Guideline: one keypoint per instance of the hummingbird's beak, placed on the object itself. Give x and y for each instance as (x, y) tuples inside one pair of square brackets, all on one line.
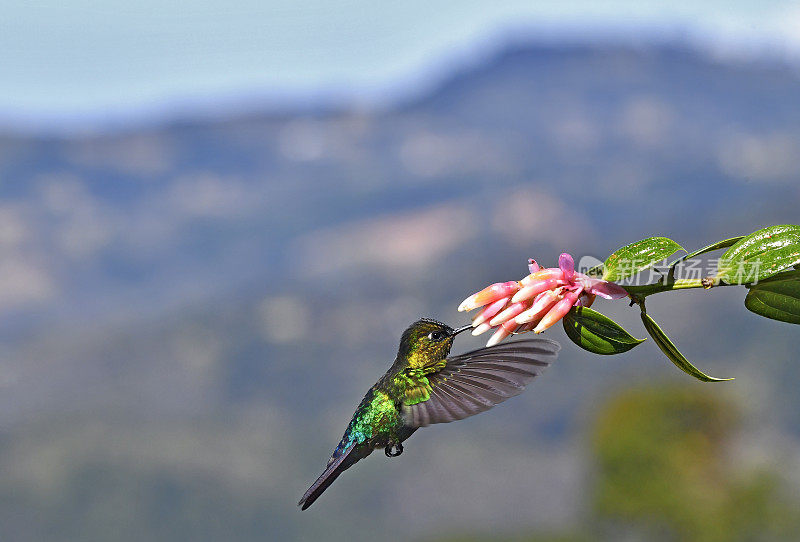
[(459, 330)]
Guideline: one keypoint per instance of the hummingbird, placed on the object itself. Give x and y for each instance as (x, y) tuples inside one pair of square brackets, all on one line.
[(424, 386)]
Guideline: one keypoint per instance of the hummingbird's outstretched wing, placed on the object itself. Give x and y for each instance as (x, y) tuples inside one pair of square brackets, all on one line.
[(476, 381)]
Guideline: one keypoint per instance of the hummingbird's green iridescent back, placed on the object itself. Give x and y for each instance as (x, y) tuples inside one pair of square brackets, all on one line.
[(423, 386)]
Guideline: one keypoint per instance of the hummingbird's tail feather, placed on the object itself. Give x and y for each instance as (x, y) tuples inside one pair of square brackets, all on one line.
[(347, 459)]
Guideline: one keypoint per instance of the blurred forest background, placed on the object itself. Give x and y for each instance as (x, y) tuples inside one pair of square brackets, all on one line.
[(190, 309)]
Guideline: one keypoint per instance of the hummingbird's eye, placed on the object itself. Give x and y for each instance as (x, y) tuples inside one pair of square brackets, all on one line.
[(436, 336)]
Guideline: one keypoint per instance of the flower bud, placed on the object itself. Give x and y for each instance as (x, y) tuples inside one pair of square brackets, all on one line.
[(540, 306), (533, 289), (489, 311), (557, 312), (490, 294), (543, 274), (506, 329), (508, 314)]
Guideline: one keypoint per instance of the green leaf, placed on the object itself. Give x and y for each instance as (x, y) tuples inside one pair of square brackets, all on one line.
[(672, 352), (778, 300), (630, 259), (597, 333), (716, 246), (761, 254)]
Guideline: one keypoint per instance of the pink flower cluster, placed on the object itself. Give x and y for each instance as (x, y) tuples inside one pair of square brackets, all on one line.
[(537, 301)]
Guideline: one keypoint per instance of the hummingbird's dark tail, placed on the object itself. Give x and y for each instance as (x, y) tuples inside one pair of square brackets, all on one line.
[(348, 458)]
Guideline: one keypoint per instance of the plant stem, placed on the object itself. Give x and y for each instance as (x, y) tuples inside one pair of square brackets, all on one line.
[(667, 284), (663, 286)]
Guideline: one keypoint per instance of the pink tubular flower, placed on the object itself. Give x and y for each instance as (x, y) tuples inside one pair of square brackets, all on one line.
[(536, 302), (542, 274), (558, 311), (511, 311), (536, 288), (489, 311), (505, 329), (489, 294), (543, 303)]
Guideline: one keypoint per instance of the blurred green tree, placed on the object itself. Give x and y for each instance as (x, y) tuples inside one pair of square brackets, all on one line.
[(663, 471)]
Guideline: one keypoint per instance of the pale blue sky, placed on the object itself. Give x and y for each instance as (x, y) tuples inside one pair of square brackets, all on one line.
[(79, 60)]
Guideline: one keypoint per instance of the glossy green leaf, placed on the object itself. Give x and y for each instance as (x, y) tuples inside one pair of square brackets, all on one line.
[(778, 300), (630, 259), (761, 254), (597, 333), (716, 246), (672, 352)]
